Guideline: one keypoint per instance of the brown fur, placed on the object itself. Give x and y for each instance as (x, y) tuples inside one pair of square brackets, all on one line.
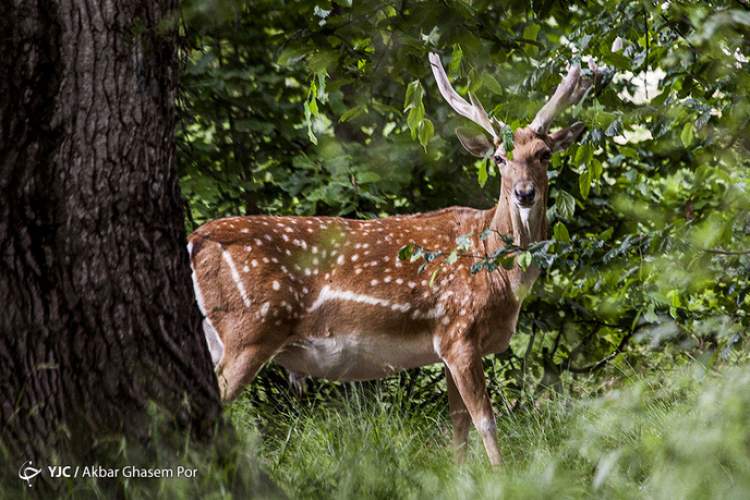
[(329, 297)]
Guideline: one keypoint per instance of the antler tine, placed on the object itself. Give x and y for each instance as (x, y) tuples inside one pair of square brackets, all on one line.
[(474, 111), (571, 90)]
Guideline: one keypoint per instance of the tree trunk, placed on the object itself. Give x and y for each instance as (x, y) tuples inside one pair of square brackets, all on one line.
[(98, 313)]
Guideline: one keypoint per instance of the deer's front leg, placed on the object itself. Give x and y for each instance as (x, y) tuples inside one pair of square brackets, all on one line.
[(459, 416), (465, 365)]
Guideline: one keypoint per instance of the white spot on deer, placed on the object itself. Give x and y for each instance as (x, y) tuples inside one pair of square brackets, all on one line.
[(357, 271), (266, 260), (374, 282), (434, 313), (215, 345), (446, 320), (285, 237), (245, 230), (411, 284), (340, 260), (307, 271), (328, 294), (254, 263), (399, 281), (248, 248), (274, 260), (236, 277), (245, 269), (355, 257), (268, 237), (275, 285), (258, 242), (387, 279), (264, 308), (436, 346)]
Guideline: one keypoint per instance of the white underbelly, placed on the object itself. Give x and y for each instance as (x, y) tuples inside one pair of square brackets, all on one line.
[(356, 356)]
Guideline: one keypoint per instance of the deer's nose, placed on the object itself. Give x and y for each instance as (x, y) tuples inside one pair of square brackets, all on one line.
[(525, 193)]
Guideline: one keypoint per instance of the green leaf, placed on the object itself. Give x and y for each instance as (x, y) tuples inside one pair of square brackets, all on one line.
[(561, 232), (433, 276), (507, 261), (507, 136), (406, 251), (524, 260), (290, 56), (452, 257), (492, 84), (413, 97), (426, 131), (686, 136), (454, 68), (596, 169), (565, 204), (584, 183), (531, 31), (584, 154), (367, 177), (352, 113), (481, 172), (414, 119)]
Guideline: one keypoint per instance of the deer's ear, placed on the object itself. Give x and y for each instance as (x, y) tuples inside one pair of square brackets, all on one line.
[(566, 136), (476, 144)]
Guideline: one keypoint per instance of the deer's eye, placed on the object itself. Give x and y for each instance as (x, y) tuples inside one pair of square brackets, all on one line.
[(545, 155), (499, 160)]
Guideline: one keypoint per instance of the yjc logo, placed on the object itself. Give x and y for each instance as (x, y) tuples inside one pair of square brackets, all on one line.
[(27, 472)]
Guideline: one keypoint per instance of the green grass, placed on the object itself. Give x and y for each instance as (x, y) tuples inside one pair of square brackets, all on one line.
[(681, 434)]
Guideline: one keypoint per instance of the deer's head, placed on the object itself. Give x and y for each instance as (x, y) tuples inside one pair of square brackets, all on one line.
[(524, 173)]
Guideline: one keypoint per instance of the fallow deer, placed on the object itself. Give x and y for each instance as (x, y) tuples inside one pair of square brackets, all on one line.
[(329, 297)]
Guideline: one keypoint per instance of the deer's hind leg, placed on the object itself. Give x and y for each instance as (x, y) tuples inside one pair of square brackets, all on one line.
[(248, 345), (459, 416)]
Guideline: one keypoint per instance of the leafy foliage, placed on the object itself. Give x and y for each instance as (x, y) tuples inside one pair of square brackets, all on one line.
[(309, 107)]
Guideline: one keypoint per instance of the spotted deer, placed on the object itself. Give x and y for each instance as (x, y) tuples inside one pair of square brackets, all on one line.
[(329, 297)]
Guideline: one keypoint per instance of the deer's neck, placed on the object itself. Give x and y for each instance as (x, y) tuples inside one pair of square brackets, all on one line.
[(525, 226)]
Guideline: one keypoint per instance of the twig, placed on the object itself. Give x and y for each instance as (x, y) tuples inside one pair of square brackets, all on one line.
[(602, 362)]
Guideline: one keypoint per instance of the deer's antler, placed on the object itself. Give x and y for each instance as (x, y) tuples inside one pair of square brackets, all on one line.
[(473, 111), (570, 91)]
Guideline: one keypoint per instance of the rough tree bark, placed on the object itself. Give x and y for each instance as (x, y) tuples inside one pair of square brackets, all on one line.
[(98, 312)]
